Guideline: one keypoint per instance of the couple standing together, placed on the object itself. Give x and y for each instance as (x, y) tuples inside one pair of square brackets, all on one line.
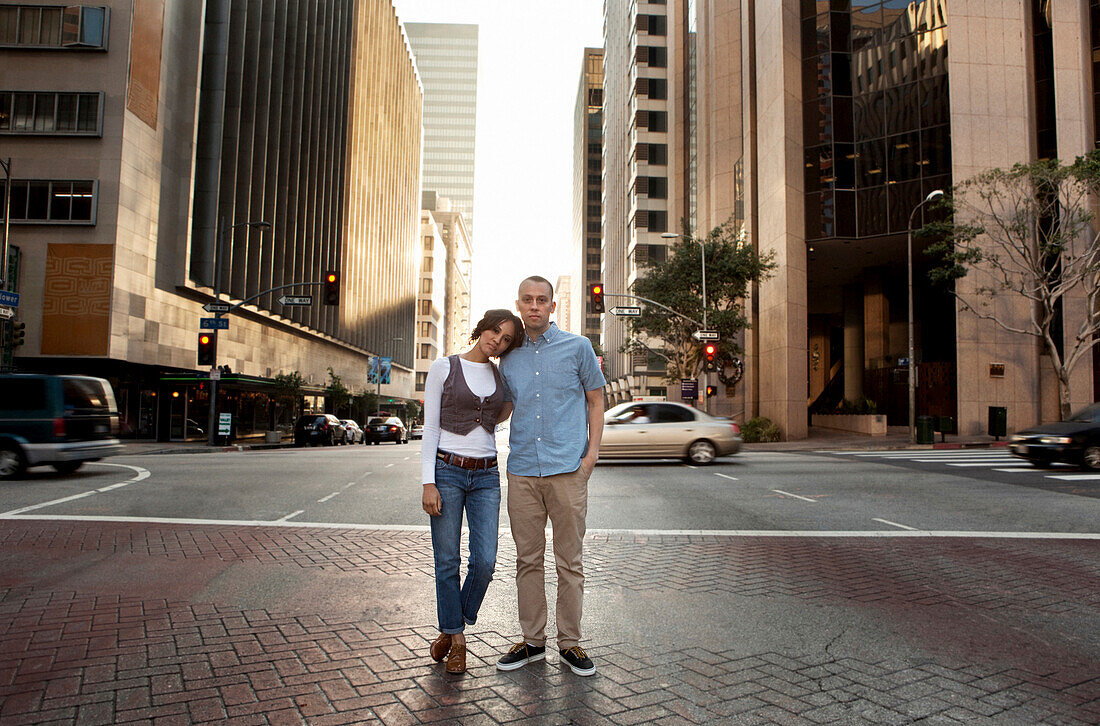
[(550, 383)]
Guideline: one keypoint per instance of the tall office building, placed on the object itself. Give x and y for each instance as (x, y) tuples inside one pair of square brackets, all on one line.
[(587, 194), (149, 139), (446, 56), (894, 100), (643, 153)]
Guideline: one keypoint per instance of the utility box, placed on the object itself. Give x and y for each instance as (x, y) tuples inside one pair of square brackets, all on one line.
[(998, 421)]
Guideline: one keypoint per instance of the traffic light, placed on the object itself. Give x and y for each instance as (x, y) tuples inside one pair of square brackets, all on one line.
[(332, 287), (595, 297), (709, 351), (18, 334), (712, 391), (208, 348)]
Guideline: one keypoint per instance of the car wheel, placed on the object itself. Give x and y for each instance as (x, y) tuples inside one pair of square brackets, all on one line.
[(701, 452), (67, 467), (1091, 457), (12, 461)]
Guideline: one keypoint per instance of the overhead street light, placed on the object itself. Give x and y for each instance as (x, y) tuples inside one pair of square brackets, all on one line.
[(932, 196)]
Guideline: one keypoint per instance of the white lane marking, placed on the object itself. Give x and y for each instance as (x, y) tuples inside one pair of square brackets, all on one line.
[(407, 458), (690, 466), (894, 524), (987, 463), (324, 499), (865, 533), (726, 476), (348, 485), (796, 496), (388, 466), (291, 516), (1074, 477), (141, 475), (1015, 470), (925, 453)]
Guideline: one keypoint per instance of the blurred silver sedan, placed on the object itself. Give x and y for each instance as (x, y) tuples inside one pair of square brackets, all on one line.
[(664, 430)]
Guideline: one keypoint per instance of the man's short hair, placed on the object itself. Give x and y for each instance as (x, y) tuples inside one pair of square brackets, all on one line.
[(540, 280)]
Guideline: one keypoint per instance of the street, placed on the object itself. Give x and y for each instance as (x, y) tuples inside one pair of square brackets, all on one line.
[(295, 586)]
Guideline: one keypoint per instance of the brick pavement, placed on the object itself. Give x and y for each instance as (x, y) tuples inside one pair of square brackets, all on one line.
[(100, 623)]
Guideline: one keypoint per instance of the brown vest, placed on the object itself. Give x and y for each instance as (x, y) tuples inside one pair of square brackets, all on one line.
[(460, 411)]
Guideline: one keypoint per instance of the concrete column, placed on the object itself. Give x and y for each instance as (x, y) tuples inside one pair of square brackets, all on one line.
[(876, 320), (853, 342)]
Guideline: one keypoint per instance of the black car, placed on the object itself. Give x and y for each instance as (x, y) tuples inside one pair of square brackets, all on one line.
[(380, 429), (1073, 441), (62, 421), (319, 428)]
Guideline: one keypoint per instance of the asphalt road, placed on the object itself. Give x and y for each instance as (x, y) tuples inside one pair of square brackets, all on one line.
[(755, 491)]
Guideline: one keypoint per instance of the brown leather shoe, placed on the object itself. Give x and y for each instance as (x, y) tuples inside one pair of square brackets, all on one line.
[(440, 646), (456, 659)]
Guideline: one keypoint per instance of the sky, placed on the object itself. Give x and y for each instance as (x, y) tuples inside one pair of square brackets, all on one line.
[(529, 66)]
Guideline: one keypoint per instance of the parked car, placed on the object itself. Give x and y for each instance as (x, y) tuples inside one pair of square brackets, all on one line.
[(386, 429), (60, 421), (318, 428), (352, 433), (417, 432), (1073, 441), (665, 430)]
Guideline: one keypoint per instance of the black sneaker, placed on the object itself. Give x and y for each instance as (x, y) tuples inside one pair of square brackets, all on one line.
[(520, 655), (578, 661)]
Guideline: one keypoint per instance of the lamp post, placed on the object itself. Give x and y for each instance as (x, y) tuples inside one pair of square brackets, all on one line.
[(936, 194), (219, 244)]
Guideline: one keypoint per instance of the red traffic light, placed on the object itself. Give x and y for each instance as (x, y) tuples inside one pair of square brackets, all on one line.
[(709, 352), (331, 283), (207, 349), (595, 298)]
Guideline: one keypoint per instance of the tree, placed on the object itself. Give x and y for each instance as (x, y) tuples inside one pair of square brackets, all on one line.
[(677, 284), (337, 392), (288, 391), (1027, 233)]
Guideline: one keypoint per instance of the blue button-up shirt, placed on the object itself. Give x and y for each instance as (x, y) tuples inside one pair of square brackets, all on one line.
[(547, 379)]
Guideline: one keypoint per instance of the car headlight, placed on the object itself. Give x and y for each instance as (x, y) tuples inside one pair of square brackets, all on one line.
[(1056, 440), (1016, 438)]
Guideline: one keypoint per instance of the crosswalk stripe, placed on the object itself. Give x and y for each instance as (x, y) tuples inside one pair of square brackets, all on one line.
[(1074, 477)]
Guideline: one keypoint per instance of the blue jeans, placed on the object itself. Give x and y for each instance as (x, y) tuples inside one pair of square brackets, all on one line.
[(478, 492)]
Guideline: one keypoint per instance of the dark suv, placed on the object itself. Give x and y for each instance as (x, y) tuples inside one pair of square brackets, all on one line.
[(60, 421), (379, 429), (319, 428)]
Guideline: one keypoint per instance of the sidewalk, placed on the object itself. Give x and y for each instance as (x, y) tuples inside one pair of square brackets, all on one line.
[(818, 439), (118, 623)]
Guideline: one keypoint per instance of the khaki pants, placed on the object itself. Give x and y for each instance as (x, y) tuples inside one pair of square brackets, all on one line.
[(564, 498)]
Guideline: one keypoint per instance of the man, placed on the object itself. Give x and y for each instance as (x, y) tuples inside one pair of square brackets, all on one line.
[(555, 383)]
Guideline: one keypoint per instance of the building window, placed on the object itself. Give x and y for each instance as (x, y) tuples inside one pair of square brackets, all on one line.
[(52, 202), (428, 264), (44, 27), (76, 114), (429, 244), (658, 88), (421, 380), (652, 120), (426, 286), (425, 329), (593, 258), (425, 307), (425, 351)]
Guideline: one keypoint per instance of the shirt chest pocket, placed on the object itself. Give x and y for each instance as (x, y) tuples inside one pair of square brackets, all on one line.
[(557, 374)]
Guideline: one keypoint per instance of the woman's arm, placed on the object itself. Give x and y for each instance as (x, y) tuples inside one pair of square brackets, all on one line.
[(433, 396)]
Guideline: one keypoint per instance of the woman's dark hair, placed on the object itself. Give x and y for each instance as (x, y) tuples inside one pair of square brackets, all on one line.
[(499, 316)]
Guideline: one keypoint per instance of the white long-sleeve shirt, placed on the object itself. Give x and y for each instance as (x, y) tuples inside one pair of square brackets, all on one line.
[(479, 443)]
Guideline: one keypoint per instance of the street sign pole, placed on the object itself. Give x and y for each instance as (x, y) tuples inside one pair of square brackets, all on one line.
[(5, 283)]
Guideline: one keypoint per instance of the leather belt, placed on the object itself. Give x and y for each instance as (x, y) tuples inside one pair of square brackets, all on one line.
[(466, 462)]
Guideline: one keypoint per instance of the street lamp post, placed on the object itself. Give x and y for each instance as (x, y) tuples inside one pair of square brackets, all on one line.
[(936, 194), (219, 244)]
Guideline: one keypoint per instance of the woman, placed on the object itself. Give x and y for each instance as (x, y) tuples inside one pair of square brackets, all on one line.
[(463, 402)]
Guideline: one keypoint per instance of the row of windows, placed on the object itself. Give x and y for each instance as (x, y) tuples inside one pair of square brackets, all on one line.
[(652, 56), (425, 329), (72, 26), (51, 113), (652, 120), (867, 212), (656, 154), (653, 220), (48, 202), (652, 24), (875, 162), (467, 168), (655, 88)]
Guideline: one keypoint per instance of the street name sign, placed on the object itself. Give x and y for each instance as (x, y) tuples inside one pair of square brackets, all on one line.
[(11, 299), (216, 307), (214, 323), (296, 300), (626, 311), (706, 335), (6, 312)]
